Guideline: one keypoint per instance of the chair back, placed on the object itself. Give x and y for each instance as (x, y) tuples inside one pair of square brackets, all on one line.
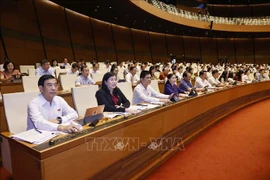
[(68, 81), (126, 88), (31, 72), (15, 106), (84, 98), (30, 83), (24, 68), (97, 77), (154, 85), (58, 71)]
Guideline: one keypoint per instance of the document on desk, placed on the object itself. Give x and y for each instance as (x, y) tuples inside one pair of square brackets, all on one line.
[(34, 137), (114, 114), (143, 106)]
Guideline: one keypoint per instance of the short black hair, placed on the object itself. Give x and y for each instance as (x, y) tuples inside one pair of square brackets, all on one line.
[(43, 78), (6, 63), (74, 65), (43, 61), (144, 73), (83, 67), (131, 68), (185, 73), (201, 72), (214, 72)]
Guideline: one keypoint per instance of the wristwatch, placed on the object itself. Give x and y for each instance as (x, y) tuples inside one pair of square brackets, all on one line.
[(59, 119)]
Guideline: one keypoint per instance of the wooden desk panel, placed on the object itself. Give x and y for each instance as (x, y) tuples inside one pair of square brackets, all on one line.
[(183, 120)]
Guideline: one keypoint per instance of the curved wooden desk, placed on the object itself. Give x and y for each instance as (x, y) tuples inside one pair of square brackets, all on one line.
[(98, 155)]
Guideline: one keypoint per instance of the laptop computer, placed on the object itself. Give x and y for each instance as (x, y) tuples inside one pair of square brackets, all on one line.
[(92, 115), (193, 93)]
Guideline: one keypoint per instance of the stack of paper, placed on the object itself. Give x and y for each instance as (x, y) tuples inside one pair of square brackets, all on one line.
[(35, 137)]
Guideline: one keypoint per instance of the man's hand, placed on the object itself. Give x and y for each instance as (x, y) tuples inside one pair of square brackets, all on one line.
[(68, 129)]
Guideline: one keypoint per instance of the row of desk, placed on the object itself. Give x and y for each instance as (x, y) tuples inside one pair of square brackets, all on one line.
[(131, 147), (17, 87)]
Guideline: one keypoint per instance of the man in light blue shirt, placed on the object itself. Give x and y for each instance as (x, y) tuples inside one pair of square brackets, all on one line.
[(84, 78), (45, 69)]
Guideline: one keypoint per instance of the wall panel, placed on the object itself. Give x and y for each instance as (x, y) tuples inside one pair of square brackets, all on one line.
[(192, 48), (209, 50), (262, 52), (141, 45), (158, 47), (123, 43), (244, 50), (226, 49), (175, 46), (2, 54), (81, 35), (54, 30), (104, 40), (20, 32)]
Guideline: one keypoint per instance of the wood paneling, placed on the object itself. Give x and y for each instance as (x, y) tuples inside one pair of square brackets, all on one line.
[(81, 35), (244, 50), (158, 47), (20, 32), (104, 40), (141, 45), (123, 43), (2, 54), (54, 30), (209, 50), (192, 48), (175, 45), (262, 52), (226, 48)]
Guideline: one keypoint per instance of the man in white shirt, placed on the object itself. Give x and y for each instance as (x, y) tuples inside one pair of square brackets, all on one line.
[(122, 68), (74, 69), (107, 66), (201, 81), (95, 69), (213, 80), (179, 73), (45, 68), (84, 78), (48, 111), (65, 63), (132, 76), (143, 92)]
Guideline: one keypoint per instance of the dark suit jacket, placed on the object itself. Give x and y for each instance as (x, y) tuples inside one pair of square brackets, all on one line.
[(105, 98)]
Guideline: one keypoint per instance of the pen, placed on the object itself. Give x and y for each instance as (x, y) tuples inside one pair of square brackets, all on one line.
[(38, 130), (141, 105)]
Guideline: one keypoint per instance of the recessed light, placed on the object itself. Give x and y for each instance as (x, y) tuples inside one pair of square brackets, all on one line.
[(110, 7)]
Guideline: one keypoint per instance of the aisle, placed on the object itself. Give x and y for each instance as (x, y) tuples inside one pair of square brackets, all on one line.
[(237, 148)]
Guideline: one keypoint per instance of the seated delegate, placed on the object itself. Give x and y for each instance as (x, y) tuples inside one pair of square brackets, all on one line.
[(143, 92), (171, 87), (201, 81), (84, 78), (185, 84), (48, 111), (9, 72), (45, 68), (111, 96)]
